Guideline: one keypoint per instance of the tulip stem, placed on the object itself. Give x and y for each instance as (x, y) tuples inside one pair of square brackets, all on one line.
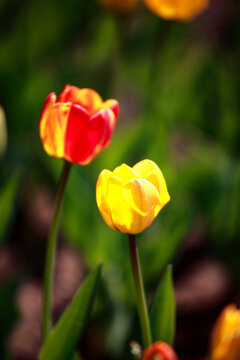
[(51, 250), (140, 294)]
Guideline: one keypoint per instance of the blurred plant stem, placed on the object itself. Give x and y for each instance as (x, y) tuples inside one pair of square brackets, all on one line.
[(51, 250), (139, 288)]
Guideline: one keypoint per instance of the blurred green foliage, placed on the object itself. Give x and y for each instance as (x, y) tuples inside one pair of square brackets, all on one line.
[(8, 203), (163, 310), (178, 89)]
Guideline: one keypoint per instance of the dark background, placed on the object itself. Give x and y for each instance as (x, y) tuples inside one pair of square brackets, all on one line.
[(178, 88)]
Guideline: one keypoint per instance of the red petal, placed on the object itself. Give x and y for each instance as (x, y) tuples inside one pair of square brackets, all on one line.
[(103, 124), (115, 107), (79, 142), (66, 94), (85, 136), (161, 348)]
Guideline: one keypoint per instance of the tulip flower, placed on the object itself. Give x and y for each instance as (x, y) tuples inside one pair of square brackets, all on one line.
[(129, 199), (120, 6), (225, 340), (159, 351), (78, 125), (177, 9)]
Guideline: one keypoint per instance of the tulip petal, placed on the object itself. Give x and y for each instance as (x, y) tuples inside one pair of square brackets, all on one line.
[(189, 9), (87, 98), (111, 104), (159, 350), (175, 9), (125, 173), (134, 205), (102, 126), (49, 101), (151, 172), (79, 144), (85, 136), (102, 196), (157, 179), (53, 123), (144, 167), (225, 342)]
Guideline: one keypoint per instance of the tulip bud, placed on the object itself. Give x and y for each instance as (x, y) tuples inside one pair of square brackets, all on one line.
[(3, 132), (225, 339), (77, 125), (177, 9), (159, 351)]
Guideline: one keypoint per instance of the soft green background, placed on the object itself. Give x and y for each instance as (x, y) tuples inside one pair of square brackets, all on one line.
[(178, 88)]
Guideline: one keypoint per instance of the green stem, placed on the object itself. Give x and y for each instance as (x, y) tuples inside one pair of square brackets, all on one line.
[(140, 295), (51, 250)]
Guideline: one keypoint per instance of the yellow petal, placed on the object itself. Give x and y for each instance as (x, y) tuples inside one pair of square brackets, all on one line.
[(225, 342), (125, 173), (157, 179), (102, 196), (144, 167), (134, 205), (53, 125), (177, 9), (151, 172)]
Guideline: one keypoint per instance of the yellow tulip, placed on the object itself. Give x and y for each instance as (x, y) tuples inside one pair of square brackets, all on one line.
[(177, 9), (129, 199), (120, 6), (225, 342)]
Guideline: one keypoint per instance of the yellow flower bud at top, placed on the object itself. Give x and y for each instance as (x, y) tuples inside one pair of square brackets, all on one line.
[(177, 9), (129, 199), (225, 341), (120, 6)]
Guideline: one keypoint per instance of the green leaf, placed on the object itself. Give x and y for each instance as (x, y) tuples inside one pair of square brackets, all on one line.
[(62, 341), (162, 315), (7, 201)]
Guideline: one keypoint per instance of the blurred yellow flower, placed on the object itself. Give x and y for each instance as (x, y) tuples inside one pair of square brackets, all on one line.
[(129, 199), (225, 341), (3, 132), (177, 9), (121, 6)]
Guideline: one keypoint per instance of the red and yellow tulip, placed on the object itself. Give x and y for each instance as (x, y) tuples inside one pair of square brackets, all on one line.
[(129, 199), (225, 341), (159, 351), (78, 125)]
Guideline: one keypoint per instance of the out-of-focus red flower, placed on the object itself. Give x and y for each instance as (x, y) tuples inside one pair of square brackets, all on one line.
[(225, 341), (78, 125), (159, 351)]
